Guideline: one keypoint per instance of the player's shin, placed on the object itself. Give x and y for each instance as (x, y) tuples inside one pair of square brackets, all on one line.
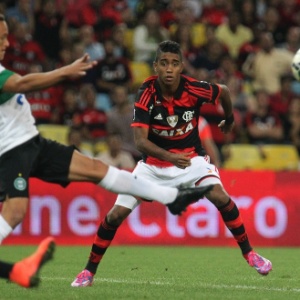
[(5, 229), (234, 223)]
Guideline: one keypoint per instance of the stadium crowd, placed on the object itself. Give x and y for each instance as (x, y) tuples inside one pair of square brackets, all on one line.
[(246, 44)]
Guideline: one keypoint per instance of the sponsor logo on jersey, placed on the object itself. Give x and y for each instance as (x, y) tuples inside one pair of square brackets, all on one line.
[(19, 100), (172, 120), (158, 117), (20, 183), (174, 132), (188, 116)]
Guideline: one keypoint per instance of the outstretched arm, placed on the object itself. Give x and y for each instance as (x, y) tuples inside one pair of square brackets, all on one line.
[(36, 81)]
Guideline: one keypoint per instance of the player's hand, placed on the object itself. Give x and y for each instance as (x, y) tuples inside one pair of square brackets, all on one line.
[(225, 128), (181, 160), (80, 66)]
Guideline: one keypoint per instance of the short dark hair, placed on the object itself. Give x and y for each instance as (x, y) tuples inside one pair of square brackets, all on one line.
[(168, 46)]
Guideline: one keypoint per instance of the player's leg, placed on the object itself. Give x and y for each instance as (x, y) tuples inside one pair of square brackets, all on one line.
[(103, 238), (15, 168), (204, 174), (26, 271), (12, 213), (233, 221), (83, 168)]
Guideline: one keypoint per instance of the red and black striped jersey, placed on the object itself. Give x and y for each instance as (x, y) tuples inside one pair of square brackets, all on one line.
[(173, 124)]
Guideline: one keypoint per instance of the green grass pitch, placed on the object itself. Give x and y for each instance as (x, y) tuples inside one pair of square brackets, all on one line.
[(161, 273)]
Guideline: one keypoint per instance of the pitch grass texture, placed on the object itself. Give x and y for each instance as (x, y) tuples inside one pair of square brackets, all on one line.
[(161, 273)]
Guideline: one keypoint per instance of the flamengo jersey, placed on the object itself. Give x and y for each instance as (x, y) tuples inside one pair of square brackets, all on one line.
[(173, 125), (16, 122)]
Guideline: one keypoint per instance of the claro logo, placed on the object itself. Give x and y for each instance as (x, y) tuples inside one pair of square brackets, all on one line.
[(204, 220), (83, 215)]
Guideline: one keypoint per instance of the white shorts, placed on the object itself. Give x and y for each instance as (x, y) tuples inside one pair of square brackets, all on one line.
[(200, 173)]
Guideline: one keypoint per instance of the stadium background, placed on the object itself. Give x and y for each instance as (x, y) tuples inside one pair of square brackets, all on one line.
[(267, 193)]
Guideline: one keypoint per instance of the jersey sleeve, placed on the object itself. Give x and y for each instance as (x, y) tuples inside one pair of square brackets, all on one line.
[(4, 75), (142, 107), (205, 91)]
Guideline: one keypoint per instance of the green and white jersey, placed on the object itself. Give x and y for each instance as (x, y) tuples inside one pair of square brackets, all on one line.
[(16, 121)]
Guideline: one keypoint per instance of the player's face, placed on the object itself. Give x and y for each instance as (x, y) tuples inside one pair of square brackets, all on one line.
[(3, 39), (168, 68)]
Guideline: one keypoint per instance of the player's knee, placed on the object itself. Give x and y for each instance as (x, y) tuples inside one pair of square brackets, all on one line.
[(15, 216), (218, 196), (117, 215)]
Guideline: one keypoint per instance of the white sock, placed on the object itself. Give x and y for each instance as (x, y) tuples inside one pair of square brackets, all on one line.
[(5, 229), (123, 182)]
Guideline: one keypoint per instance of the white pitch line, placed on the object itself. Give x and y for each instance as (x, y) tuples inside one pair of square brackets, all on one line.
[(204, 285)]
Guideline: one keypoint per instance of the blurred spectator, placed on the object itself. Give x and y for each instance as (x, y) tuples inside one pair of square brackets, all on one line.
[(292, 126), (288, 10), (208, 142), (91, 14), (78, 49), (261, 7), (250, 47), (268, 64), (65, 56), (21, 12), (69, 109), (210, 56), (280, 101), (229, 74), (147, 36), (118, 37), (120, 119), (110, 72), (72, 12), (45, 103), (183, 37), (186, 17), (171, 12), (90, 44), (233, 33), (143, 6), (247, 9), (210, 34), (103, 15), (263, 126), (75, 138), (22, 50), (292, 41), (271, 22), (215, 13), (114, 155), (93, 120), (119, 11), (50, 28)]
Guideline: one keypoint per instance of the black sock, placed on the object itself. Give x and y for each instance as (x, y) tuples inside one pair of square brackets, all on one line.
[(5, 269), (232, 219), (101, 242)]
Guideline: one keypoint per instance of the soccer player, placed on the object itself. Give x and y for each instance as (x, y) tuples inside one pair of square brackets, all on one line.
[(26, 272), (24, 153), (165, 125)]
